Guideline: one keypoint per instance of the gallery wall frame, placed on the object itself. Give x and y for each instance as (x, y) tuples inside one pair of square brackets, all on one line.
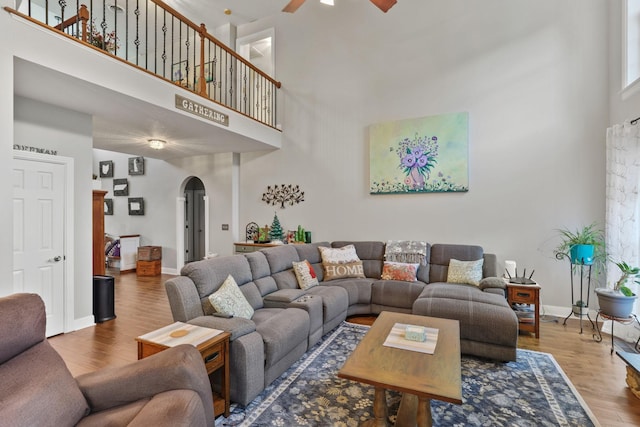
[(108, 206), (106, 169), (136, 206), (136, 165), (120, 187)]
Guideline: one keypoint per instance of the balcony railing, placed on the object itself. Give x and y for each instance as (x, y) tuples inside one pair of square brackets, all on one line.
[(151, 35)]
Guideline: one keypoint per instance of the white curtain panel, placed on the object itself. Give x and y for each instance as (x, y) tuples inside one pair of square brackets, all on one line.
[(622, 229)]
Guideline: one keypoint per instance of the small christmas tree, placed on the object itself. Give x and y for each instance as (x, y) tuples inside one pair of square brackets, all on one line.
[(276, 229)]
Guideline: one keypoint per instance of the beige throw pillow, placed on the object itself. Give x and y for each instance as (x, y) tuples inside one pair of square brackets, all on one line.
[(468, 272), (305, 274), (339, 263), (229, 299)]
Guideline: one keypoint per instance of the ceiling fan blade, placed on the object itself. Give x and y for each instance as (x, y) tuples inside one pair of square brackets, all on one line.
[(383, 5), (293, 6)]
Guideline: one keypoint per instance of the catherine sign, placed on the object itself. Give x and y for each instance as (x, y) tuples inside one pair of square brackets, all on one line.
[(424, 155), (201, 110)]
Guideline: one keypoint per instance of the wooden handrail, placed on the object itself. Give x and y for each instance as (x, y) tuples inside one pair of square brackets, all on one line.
[(201, 29), (82, 16), (201, 83)]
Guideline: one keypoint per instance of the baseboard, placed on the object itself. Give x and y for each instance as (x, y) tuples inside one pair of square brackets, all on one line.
[(82, 323), (562, 312), (171, 271)]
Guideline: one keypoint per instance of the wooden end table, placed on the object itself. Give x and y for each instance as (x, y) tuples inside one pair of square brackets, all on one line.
[(213, 345), (419, 376), (526, 294)]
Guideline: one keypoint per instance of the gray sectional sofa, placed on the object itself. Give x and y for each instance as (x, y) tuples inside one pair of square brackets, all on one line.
[(287, 320)]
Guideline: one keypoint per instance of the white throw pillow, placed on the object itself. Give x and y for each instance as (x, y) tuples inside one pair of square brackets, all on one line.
[(229, 299), (305, 274), (469, 272), (343, 255)]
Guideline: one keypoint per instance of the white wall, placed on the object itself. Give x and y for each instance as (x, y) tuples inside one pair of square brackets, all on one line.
[(533, 77), (160, 186), (624, 104), (69, 134)]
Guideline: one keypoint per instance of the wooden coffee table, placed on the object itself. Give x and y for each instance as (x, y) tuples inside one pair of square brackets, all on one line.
[(419, 376)]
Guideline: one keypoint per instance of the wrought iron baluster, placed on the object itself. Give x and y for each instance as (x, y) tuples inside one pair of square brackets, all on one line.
[(126, 30), (137, 40), (164, 44)]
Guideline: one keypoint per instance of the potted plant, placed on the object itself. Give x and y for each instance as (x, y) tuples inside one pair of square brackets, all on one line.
[(580, 308), (584, 246), (619, 300)]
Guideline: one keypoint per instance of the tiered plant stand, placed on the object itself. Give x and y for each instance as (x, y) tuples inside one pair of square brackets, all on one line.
[(579, 311), (622, 320)]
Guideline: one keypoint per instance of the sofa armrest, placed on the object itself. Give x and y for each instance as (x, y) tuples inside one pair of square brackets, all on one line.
[(175, 368), (282, 298), (236, 326), (492, 283), (183, 299)]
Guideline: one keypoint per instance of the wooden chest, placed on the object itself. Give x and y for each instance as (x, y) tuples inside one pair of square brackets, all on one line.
[(149, 253), (149, 268)]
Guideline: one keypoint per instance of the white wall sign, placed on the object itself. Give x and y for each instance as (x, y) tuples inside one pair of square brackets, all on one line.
[(201, 110)]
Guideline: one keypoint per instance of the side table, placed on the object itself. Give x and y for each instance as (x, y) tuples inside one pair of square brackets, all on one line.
[(213, 345), (526, 294)]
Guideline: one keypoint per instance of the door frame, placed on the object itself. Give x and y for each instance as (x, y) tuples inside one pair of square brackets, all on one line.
[(180, 217), (68, 285)]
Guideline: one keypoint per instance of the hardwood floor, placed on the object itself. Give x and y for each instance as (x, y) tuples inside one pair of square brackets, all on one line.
[(142, 306)]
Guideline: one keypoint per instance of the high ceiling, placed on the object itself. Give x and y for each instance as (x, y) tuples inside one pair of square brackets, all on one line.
[(212, 12)]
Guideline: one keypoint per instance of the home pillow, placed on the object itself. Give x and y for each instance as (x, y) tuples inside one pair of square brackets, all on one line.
[(337, 270), (305, 274), (469, 272), (229, 300), (340, 263), (405, 272)]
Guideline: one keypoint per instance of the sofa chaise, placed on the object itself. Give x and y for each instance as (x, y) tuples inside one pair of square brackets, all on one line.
[(285, 320)]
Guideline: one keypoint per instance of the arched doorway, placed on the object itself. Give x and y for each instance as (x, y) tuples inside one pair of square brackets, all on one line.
[(194, 220)]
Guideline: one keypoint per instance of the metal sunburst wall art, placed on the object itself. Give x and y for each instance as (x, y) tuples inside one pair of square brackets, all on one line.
[(283, 194)]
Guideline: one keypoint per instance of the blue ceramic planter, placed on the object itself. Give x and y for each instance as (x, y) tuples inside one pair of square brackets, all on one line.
[(582, 254)]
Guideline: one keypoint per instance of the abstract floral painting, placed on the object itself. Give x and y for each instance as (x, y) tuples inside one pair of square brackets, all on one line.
[(424, 155)]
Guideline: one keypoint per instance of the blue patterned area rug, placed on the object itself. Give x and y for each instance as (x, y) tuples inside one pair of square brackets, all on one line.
[(533, 391)]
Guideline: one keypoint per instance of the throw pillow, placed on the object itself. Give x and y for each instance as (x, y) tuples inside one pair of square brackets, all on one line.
[(339, 263), (229, 299), (341, 270), (338, 255), (305, 274), (405, 272), (469, 272)]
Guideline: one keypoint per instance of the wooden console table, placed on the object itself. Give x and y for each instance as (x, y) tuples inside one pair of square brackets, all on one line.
[(213, 345), (243, 248)]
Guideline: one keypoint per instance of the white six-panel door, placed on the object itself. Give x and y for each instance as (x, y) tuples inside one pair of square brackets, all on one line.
[(38, 235)]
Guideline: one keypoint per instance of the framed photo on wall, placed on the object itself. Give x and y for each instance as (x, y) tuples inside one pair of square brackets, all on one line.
[(120, 187), (136, 206), (108, 206), (106, 169), (136, 165)]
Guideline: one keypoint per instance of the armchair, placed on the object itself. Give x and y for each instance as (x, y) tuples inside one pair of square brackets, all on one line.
[(170, 388)]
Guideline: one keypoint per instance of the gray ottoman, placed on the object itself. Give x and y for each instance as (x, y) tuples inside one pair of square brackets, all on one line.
[(488, 325)]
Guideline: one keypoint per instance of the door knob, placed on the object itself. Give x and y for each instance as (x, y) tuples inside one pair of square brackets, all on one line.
[(55, 259)]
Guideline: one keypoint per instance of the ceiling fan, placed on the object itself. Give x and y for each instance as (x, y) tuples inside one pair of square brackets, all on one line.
[(383, 5)]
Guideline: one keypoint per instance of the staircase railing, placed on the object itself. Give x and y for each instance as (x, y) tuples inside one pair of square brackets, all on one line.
[(151, 35)]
